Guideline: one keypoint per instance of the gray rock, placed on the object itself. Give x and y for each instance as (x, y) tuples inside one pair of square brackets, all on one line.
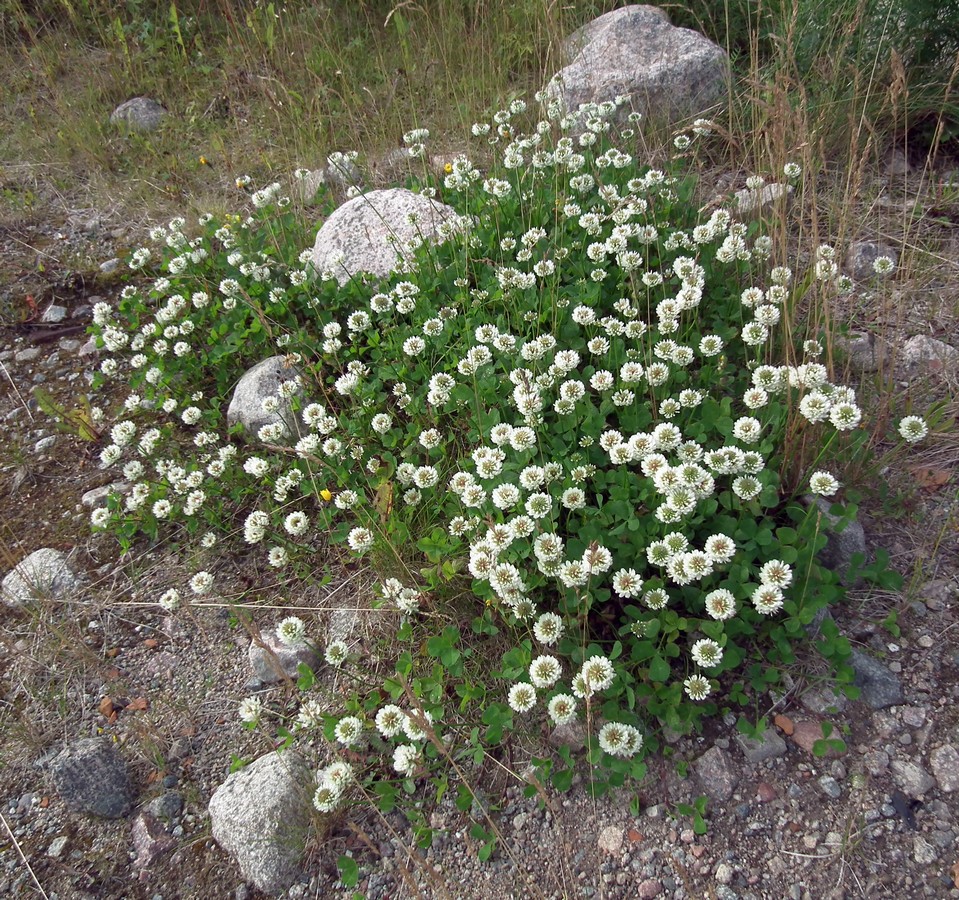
[(769, 746), (572, 735), (842, 545), (823, 701), (261, 815), (373, 233), (342, 171), (29, 354), (57, 846), (830, 787), (139, 114), (255, 386), (669, 73), (879, 688), (97, 497), (109, 266), (611, 840), (863, 351), (43, 575), (90, 776), (923, 852), (166, 807), (911, 778), (938, 595), (753, 203), (944, 762), (45, 443), (151, 838), (861, 256), (922, 351), (272, 660), (53, 314), (717, 774)]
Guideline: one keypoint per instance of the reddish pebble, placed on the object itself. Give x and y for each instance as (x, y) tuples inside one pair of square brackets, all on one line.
[(649, 889), (697, 850), (765, 793)]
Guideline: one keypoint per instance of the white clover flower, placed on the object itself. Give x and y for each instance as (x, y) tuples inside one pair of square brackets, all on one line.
[(201, 583), (706, 653), (562, 709), (747, 429), (883, 265), (777, 573), (792, 170), (250, 710), (296, 523), (617, 739), (697, 687), (596, 674), (100, 517), (278, 557), (326, 798), (360, 539), (349, 731), (389, 720), (170, 600), (416, 724), (406, 759), (767, 598), (720, 604), (336, 653), (823, 483), (291, 631), (549, 629), (913, 429), (845, 416), (544, 671), (521, 697)]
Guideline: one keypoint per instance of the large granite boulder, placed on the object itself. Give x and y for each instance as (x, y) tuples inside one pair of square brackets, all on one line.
[(261, 816), (43, 575), (668, 73), (374, 233), (259, 384)]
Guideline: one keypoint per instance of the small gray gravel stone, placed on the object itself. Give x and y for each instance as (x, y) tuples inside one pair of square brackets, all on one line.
[(717, 774), (879, 687), (923, 852), (769, 746), (611, 840), (944, 762), (830, 787), (912, 778), (44, 574)]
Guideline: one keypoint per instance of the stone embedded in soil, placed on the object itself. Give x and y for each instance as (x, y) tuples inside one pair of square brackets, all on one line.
[(151, 839), (667, 72), (717, 774), (879, 687), (369, 233), (912, 779), (43, 575), (261, 815), (863, 351), (649, 889), (841, 546), (938, 595), (256, 385), (823, 701), (769, 746), (805, 734), (925, 352), (572, 735), (611, 840), (90, 776), (97, 497), (944, 762), (752, 203), (272, 660), (139, 114), (862, 255)]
